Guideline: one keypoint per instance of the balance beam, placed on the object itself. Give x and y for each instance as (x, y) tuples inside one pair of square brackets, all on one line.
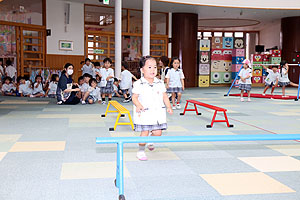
[(120, 141)]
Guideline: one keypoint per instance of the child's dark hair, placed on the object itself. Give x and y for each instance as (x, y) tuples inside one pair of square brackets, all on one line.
[(116, 80), (282, 63), (97, 76), (8, 62), (144, 59), (53, 77), (164, 60), (107, 60), (87, 59), (80, 78), (82, 62), (125, 64), (20, 78), (8, 78), (92, 80), (38, 76), (172, 61), (275, 66), (66, 67), (87, 75), (96, 64)]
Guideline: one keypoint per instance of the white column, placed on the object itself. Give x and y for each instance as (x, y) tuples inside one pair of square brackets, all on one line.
[(170, 36), (146, 27), (118, 37)]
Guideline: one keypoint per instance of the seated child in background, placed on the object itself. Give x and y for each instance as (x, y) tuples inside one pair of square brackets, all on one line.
[(272, 79), (87, 67), (80, 81), (126, 81), (116, 88), (25, 89), (51, 91), (8, 87), (10, 70), (93, 94), (96, 69), (98, 79), (85, 86), (38, 90)]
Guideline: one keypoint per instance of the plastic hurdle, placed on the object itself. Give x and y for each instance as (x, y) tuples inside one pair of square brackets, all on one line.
[(120, 141)]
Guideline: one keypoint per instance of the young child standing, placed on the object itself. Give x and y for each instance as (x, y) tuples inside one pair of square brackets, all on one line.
[(87, 67), (96, 70), (149, 104), (175, 81), (25, 89), (51, 91), (93, 94), (107, 79), (272, 79), (38, 90), (8, 87), (10, 70), (126, 81), (284, 77), (245, 79)]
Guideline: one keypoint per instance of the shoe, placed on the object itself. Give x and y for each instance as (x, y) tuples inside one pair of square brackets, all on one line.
[(178, 106), (141, 156), (242, 99), (59, 102), (31, 96), (83, 102), (126, 100), (174, 107), (103, 102), (150, 146), (263, 94), (249, 99)]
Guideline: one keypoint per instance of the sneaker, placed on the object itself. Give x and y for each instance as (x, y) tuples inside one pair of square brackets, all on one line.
[(126, 100), (59, 102), (242, 99), (263, 94), (141, 156), (174, 107), (150, 146), (249, 99), (178, 106), (83, 102), (103, 102)]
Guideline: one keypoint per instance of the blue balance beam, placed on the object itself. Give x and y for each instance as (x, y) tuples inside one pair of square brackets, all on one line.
[(120, 141)]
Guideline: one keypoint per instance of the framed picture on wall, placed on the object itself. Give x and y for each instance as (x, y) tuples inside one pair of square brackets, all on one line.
[(65, 45)]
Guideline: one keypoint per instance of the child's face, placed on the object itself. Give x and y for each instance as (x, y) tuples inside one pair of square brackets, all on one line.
[(245, 66), (123, 68), (38, 80), (93, 84), (274, 69), (57, 79), (86, 79), (98, 67), (176, 64), (22, 81), (7, 81), (107, 64), (98, 78), (286, 65), (150, 69), (160, 63), (81, 82), (116, 83), (87, 62)]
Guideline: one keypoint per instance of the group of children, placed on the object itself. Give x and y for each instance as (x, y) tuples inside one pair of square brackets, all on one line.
[(273, 79)]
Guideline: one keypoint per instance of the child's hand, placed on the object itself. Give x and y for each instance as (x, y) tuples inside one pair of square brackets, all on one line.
[(170, 110), (167, 86), (182, 87), (107, 79), (139, 109), (76, 89), (99, 102)]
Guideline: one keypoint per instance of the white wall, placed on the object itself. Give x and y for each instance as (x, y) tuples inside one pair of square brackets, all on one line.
[(270, 35), (56, 22)]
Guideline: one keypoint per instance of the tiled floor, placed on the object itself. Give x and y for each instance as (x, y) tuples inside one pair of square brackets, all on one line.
[(49, 152)]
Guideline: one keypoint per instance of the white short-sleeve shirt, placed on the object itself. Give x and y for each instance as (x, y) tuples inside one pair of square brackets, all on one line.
[(52, 87), (95, 71), (84, 87), (126, 80), (175, 77), (11, 71), (284, 77), (25, 89), (39, 89), (87, 69), (95, 92), (8, 87), (106, 73), (243, 74), (272, 77), (151, 98)]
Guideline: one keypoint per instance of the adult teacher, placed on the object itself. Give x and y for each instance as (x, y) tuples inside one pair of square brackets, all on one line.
[(67, 90)]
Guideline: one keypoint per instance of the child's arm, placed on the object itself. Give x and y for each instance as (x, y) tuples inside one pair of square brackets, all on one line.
[(264, 67), (134, 78), (46, 94), (117, 93), (182, 83), (168, 81), (167, 103), (136, 102), (287, 70)]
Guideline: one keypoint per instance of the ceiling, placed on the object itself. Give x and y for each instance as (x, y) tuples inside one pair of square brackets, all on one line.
[(264, 16)]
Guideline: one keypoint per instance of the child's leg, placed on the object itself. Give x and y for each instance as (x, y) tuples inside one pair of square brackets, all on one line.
[(283, 90), (266, 88), (173, 98), (273, 88), (143, 134), (38, 95), (248, 94), (156, 133), (85, 96), (178, 97), (242, 93), (109, 96), (294, 84)]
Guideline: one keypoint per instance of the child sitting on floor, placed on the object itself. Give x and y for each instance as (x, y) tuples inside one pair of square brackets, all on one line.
[(8, 87), (272, 79), (51, 91), (93, 93), (116, 88), (38, 90), (25, 89), (85, 86)]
